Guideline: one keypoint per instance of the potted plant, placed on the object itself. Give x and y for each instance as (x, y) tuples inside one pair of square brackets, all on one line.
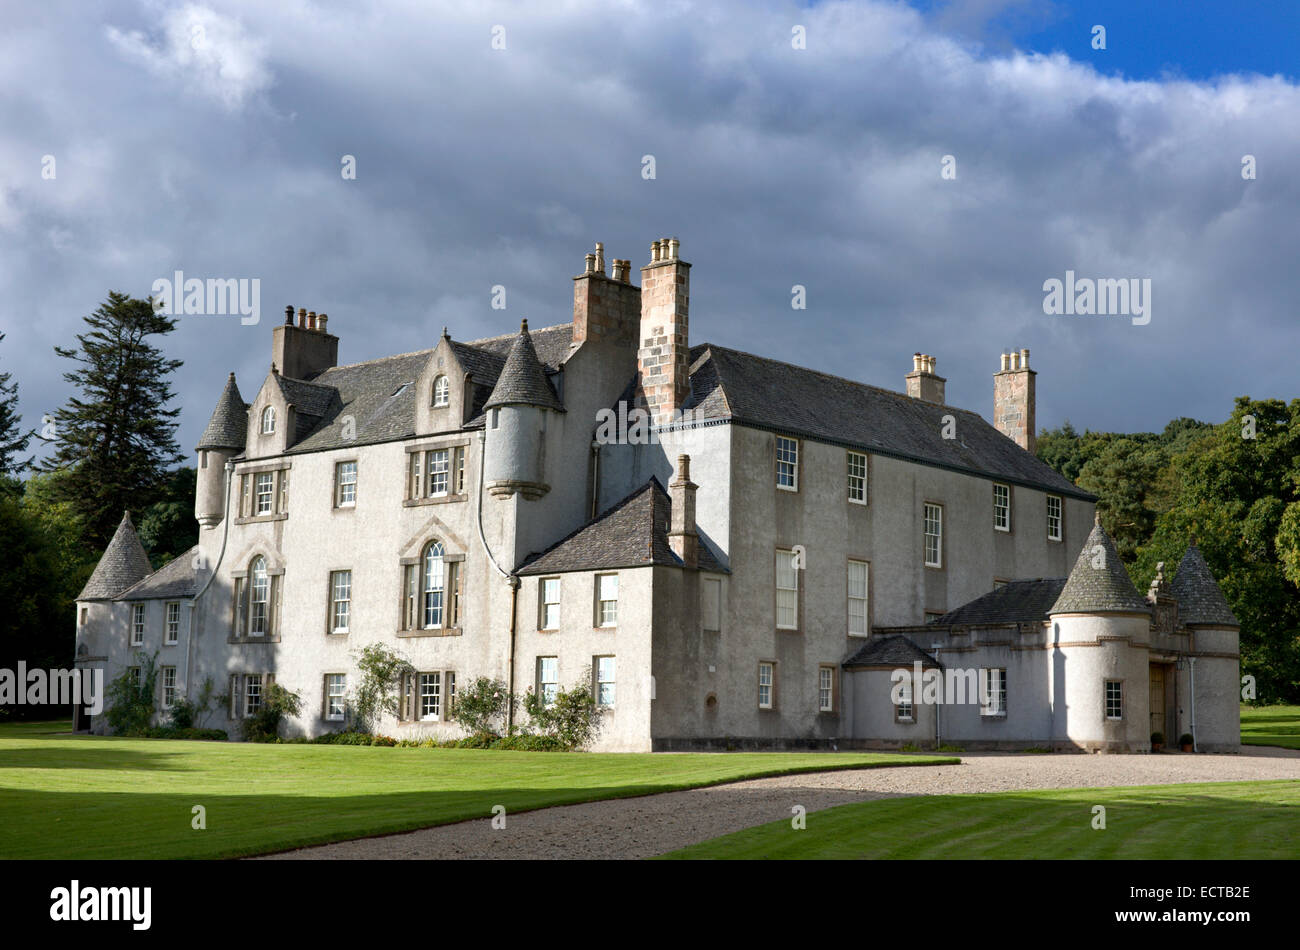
[(1157, 741), (1185, 740)]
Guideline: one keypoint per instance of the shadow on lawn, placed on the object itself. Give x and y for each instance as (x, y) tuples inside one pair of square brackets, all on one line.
[(97, 757)]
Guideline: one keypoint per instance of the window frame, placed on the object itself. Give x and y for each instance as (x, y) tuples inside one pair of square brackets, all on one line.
[(598, 683), (996, 708), (248, 681), (340, 485), (770, 667), (166, 693), (137, 625), (1119, 700), (171, 627), (827, 694), (267, 426), (1060, 518), (777, 589), (602, 623), (428, 678), (926, 534), (546, 689), (850, 598), (907, 702), (797, 449), (1004, 510), (258, 494), (330, 696), (865, 477), (543, 617), (334, 600), (441, 398)]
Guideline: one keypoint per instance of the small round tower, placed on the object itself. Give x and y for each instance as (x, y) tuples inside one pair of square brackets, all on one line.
[(222, 440), (517, 413)]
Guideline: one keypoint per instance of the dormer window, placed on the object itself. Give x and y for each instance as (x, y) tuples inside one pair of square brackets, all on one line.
[(441, 392), (268, 420)]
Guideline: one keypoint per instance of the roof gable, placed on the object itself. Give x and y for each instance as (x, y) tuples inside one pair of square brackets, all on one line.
[(894, 650), (1098, 583), (1200, 600), (1023, 601), (228, 426), (175, 580), (122, 564), (522, 381)]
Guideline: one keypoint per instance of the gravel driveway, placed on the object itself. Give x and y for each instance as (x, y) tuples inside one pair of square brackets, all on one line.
[(655, 824)]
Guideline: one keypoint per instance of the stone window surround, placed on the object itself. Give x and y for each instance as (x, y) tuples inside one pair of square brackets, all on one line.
[(866, 476), (255, 469), (1011, 508), (943, 536), (274, 636), (406, 562), (798, 589), (429, 445)]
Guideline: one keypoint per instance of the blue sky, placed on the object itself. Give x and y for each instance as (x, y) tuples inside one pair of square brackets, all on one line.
[(775, 166)]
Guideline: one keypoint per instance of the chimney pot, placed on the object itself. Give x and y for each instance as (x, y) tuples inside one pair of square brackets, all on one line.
[(591, 264), (320, 322), (1024, 358), (673, 244), (1006, 362), (600, 258), (302, 317), (654, 251), (311, 319), (288, 316)]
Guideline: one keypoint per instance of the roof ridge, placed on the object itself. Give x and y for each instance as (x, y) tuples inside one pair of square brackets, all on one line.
[(510, 336)]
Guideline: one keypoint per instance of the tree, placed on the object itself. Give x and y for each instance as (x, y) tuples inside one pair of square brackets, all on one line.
[(167, 527), (117, 438), (13, 441)]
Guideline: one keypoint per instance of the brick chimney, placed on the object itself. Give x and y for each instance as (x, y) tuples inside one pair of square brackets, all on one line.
[(304, 349), (682, 536), (605, 309), (922, 381), (663, 366), (1013, 400)]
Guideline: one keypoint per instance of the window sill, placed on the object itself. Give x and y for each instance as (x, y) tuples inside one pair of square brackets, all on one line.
[(438, 632), (1001, 715), (271, 639), (351, 507), (255, 519), (787, 488), (435, 500)]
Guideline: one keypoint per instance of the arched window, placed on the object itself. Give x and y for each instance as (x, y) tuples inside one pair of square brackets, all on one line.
[(259, 601), (441, 392), (268, 420), (432, 590)]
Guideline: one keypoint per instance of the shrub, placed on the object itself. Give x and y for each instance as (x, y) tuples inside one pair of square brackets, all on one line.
[(481, 706), (131, 700), (524, 742), (381, 670), (1186, 739), (1157, 738), (174, 732), (573, 718), (264, 725)]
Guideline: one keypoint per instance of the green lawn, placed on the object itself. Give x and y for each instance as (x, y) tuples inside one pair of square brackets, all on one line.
[(64, 796), (1234, 820), (1271, 725)]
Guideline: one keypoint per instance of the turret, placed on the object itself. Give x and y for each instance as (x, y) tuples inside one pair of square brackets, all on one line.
[(517, 413), (221, 441)]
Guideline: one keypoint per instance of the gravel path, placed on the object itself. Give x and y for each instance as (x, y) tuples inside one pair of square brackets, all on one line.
[(655, 824)]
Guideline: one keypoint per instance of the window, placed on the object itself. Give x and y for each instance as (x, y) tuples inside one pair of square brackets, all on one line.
[(787, 463), (606, 600), (335, 687), (340, 601), (858, 598), (933, 535), (1001, 507), (548, 679), (85, 615), (449, 684), (264, 488), (1114, 699), (259, 613), (458, 471), (787, 591), (550, 603), (252, 694), (432, 592), (903, 711), (173, 627), (430, 696), (1053, 518), (765, 685), (857, 478), (168, 686), (826, 688), (136, 674), (441, 392), (439, 469), (283, 475), (268, 420), (711, 603), (604, 680), (995, 684), (137, 624), (345, 485)]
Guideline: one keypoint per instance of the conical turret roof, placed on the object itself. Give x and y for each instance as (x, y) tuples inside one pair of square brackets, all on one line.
[(228, 427), (122, 564), (1199, 598), (1099, 583), (523, 379)]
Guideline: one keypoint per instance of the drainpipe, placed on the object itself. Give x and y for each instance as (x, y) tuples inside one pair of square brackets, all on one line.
[(595, 477), (510, 578), (1192, 677), (938, 707), (194, 601)]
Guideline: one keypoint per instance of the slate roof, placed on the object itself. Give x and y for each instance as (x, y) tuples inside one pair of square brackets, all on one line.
[(1199, 598), (632, 533), (769, 394), (896, 650), (1105, 589), (122, 564), (228, 427), (175, 580), (1025, 601), (380, 394), (523, 381)]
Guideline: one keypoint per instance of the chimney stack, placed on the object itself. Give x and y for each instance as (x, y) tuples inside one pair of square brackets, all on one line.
[(304, 349), (922, 382), (605, 309), (663, 369), (682, 536), (1013, 400)]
